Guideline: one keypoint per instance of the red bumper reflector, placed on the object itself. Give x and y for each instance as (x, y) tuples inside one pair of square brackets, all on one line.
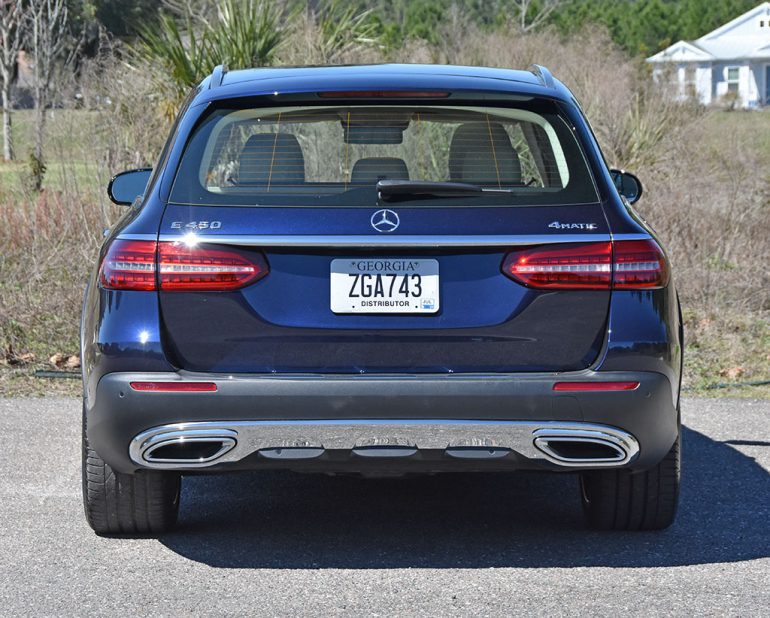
[(595, 386), (174, 387)]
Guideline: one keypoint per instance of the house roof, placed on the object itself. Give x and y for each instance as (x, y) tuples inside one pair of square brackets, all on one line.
[(746, 36), (682, 51)]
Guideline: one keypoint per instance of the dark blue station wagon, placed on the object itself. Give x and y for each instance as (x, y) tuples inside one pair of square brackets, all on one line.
[(380, 270)]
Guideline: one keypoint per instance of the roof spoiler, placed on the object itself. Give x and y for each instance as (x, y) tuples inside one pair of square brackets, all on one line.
[(217, 75), (542, 74)]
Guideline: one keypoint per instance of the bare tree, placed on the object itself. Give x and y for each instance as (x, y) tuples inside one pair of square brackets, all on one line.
[(11, 22), (455, 27), (47, 29), (531, 14)]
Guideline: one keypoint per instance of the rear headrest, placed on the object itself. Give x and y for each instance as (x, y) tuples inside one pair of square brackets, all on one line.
[(272, 158), (481, 153), (372, 169)]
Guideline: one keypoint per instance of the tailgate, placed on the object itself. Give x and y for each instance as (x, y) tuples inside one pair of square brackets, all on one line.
[(482, 320)]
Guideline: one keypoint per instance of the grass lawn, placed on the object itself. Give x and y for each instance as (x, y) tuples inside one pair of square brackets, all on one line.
[(71, 159)]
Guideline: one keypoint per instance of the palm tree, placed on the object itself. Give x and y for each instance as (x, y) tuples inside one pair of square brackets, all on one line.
[(244, 33)]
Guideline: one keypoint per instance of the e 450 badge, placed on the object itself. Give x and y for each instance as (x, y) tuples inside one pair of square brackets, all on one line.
[(196, 225)]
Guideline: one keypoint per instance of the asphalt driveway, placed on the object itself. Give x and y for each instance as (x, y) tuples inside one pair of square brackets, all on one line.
[(287, 544)]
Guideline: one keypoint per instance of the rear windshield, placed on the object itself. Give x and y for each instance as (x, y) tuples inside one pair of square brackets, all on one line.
[(335, 155)]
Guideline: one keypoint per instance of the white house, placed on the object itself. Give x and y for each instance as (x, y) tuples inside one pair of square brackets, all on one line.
[(731, 61)]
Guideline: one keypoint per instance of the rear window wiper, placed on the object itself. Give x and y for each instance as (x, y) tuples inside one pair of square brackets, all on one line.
[(394, 190)]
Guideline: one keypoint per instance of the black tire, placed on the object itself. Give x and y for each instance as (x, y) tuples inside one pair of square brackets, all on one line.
[(620, 500), (143, 503)]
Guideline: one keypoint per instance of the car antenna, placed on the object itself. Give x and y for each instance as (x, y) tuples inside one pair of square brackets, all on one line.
[(217, 75), (543, 74)]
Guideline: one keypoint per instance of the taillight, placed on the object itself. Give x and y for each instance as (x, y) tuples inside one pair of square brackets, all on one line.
[(628, 264), (129, 265), (569, 266), (639, 264), (177, 266), (189, 268)]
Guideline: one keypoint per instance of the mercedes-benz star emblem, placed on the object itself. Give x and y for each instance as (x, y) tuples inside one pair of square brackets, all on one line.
[(385, 220)]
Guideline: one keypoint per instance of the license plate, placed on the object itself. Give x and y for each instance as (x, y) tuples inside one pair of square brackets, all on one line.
[(384, 285)]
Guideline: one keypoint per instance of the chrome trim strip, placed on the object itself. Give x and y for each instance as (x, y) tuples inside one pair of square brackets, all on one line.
[(254, 436), (136, 237), (249, 240), (631, 237)]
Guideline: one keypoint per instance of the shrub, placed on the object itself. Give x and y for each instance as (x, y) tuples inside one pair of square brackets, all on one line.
[(244, 33)]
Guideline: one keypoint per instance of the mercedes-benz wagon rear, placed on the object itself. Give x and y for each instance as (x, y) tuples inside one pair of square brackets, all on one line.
[(380, 270)]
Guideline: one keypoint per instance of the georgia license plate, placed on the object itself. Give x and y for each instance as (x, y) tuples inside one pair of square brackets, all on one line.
[(384, 285)]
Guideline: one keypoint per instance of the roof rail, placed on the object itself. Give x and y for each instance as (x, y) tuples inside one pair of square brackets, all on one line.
[(543, 74), (217, 75)]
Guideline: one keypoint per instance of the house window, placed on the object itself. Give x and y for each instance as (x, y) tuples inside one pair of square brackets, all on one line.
[(733, 75)]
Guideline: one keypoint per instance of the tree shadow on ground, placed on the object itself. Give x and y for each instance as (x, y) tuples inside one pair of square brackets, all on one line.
[(292, 521)]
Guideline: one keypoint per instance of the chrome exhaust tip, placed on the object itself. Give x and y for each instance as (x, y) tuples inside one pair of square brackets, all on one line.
[(582, 447), (188, 447)]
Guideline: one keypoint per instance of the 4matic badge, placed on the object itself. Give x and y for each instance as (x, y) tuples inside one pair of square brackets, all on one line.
[(572, 226)]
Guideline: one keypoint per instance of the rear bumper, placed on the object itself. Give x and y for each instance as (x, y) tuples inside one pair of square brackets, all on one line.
[(399, 422)]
